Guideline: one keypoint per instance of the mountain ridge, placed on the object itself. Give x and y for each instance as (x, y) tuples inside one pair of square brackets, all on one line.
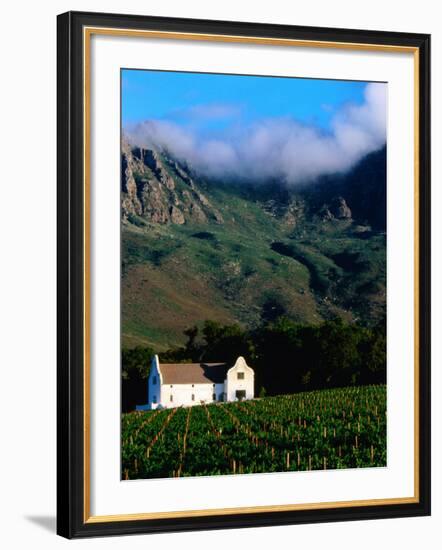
[(197, 249)]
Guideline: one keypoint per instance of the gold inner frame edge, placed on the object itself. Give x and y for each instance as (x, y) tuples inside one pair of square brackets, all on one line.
[(87, 33)]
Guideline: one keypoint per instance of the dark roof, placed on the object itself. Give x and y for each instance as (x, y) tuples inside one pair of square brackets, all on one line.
[(193, 373)]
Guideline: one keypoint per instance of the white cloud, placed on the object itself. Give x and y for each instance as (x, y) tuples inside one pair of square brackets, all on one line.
[(274, 147)]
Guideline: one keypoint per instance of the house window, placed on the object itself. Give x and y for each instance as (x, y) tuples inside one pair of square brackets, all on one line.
[(171, 397), (154, 380), (214, 397), (193, 397), (221, 397), (240, 376), (154, 399)]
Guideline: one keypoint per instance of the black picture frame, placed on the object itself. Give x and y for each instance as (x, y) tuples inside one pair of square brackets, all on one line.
[(72, 521)]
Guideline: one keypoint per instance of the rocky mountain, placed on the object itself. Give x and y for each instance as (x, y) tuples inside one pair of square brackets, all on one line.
[(243, 252), (158, 189), (363, 190)]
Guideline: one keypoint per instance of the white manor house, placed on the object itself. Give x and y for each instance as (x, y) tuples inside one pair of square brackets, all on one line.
[(186, 384)]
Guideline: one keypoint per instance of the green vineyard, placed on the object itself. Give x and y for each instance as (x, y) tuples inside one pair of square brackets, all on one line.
[(321, 430)]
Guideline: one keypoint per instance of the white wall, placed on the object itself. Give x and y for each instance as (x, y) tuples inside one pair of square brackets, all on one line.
[(154, 389), (182, 394), (233, 384), (27, 289)]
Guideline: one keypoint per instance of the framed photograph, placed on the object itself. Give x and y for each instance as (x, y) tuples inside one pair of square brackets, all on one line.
[(243, 274)]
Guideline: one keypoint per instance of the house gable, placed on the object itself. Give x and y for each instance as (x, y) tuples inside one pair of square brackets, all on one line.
[(155, 382), (240, 381)]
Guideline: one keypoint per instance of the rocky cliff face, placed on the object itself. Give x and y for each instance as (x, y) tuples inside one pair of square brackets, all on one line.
[(338, 209), (294, 207), (291, 212), (363, 190), (158, 189)]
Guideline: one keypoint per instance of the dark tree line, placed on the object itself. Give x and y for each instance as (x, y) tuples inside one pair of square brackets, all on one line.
[(287, 357), (135, 365)]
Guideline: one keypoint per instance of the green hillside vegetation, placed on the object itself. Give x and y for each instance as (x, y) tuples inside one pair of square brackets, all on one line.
[(242, 270)]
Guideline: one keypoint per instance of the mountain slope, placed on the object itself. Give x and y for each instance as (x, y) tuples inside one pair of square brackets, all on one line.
[(235, 252)]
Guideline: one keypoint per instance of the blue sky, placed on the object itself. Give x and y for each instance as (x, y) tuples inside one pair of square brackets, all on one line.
[(255, 127), (168, 95)]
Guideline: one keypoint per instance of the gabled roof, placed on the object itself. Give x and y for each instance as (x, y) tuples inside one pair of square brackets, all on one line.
[(193, 373)]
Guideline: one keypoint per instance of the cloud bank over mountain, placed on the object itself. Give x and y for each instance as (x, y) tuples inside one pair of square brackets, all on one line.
[(279, 147)]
